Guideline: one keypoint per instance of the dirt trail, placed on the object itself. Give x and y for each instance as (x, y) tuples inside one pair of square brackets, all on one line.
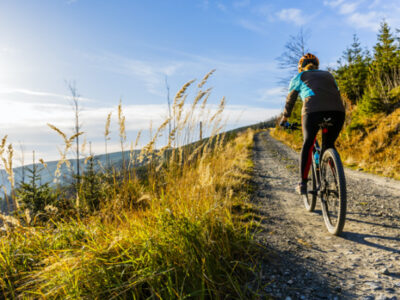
[(308, 262)]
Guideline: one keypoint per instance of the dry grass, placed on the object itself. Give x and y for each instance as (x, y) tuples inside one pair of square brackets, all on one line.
[(165, 231), (375, 148)]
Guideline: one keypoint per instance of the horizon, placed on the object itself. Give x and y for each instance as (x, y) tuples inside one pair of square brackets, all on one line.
[(125, 50)]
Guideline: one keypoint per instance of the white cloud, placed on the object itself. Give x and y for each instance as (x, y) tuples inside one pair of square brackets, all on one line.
[(248, 115), (348, 8), (251, 25), (369, 20), (333, 3), (266, 11), (366, 15), (293, 15), (273, 91), (237, 66), (152, 74), (343, 7), (375, 3), (271, 96), (49, 95), (241, 3)]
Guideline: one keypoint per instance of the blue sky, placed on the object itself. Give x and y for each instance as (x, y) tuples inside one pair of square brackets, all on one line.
[(124, 49)]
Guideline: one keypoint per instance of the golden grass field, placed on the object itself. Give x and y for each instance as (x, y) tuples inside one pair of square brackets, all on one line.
[(178, 228)]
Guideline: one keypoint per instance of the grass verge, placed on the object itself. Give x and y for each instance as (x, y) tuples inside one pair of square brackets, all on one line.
[(176, 228)]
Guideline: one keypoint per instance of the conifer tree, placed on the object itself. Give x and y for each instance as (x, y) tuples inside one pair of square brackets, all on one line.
[(353, 71), (91, 190), (33, 194), (385, 50), (382, 74)]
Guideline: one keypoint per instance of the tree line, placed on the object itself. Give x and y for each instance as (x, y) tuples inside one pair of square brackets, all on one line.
[(371, 81)]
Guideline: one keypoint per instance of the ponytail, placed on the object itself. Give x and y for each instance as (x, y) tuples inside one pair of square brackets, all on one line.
[(310, 67)]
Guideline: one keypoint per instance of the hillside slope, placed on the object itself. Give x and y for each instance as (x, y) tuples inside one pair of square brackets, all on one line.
[(372, 146)]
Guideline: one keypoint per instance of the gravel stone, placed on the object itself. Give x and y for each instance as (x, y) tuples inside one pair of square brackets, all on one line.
[(374, 285)]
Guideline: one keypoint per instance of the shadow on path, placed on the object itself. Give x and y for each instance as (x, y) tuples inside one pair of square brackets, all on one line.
[(370, 223), (361, 238)]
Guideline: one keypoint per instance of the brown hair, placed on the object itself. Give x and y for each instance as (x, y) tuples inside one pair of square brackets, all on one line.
[(310, 67)]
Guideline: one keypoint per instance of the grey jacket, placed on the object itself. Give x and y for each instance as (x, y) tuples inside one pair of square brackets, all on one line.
[(317, 89)]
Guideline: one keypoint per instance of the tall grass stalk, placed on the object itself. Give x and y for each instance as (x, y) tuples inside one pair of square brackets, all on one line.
[(168, 230), (107, 138), (122, 133)]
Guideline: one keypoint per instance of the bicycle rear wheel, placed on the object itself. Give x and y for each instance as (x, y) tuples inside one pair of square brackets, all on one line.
[(310, 199), (333, 192)]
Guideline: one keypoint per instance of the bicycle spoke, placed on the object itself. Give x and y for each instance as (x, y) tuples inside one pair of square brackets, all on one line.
[(333, 192), (330, 192)]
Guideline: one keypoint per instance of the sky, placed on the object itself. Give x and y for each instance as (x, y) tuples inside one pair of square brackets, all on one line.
[(123, 50)]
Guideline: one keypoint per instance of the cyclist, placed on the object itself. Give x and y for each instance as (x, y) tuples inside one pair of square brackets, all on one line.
[(321, 102)]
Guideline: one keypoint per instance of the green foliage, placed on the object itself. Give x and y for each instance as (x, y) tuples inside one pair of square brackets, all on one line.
[(395, 94), (91, 189), (371, 82), (33, 194), (353, 70), (370, 103), (296, 112), (383, 74), (386, 54)]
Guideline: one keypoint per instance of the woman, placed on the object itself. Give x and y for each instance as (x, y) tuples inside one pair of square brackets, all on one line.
[(321, 100)]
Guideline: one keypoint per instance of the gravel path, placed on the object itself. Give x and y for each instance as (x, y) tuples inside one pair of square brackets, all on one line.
[(304, 260)]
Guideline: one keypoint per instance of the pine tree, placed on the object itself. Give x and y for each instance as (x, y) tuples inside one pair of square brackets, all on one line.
[(352, 73), (383, 74), (385, 50), (91, 189), (33, 194)]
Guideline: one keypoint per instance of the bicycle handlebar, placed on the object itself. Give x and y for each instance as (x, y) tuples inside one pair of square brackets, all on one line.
[(287, 125)]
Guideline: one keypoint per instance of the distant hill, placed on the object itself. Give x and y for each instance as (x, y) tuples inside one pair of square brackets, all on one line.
[(47, 174)]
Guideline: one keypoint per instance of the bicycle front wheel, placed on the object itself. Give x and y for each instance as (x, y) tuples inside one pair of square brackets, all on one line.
[(333, 192)]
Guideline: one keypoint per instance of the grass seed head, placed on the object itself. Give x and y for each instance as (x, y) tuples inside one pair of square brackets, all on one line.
[(203, 82), (107, 127)]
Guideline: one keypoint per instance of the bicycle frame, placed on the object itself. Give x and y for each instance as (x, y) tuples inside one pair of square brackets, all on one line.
[(328, 179), (317, 152)]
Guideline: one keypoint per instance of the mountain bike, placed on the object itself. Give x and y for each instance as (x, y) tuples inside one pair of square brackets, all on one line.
[(326, 181)]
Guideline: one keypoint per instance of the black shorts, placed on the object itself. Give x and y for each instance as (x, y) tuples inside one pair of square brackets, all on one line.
[(310, 125)]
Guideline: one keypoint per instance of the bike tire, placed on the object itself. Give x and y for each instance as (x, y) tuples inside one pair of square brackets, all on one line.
[(334, 222), (310, 199)]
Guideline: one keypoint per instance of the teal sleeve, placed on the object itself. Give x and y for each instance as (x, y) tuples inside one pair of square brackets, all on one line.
[(295, 83)]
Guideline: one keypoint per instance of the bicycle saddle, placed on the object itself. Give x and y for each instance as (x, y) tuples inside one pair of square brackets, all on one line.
[(326, 123)]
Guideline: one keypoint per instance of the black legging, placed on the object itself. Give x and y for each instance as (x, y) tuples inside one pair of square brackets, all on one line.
[(310, 126)]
